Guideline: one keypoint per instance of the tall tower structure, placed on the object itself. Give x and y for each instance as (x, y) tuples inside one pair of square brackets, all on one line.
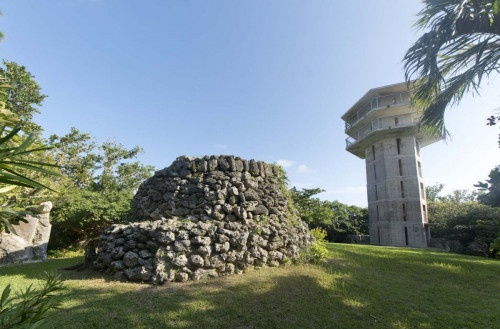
[(382, 129)]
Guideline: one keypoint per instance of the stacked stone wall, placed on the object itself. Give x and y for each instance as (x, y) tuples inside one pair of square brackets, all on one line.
[(205, 217)]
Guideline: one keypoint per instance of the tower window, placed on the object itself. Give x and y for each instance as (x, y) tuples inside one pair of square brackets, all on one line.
[(418, 148), (404, 212), (424, 210), (378, 234), (375, 171), (402, 189), (396, 121), (378, 218), (422, 190), (376, 193), (406, 235), (419, 169), (398, 143), (400, 163), (373, 151)]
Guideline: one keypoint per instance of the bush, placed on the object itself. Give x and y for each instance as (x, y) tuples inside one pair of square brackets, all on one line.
[(79, 216), (315, 253), (337, 220), (31, 309), (319, 234)]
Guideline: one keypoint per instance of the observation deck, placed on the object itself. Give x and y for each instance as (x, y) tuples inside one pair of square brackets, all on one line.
[(381, 113)]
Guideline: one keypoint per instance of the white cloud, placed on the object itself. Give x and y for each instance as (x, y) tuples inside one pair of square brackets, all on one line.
[(285, 163), (221, 146), (303, 169)]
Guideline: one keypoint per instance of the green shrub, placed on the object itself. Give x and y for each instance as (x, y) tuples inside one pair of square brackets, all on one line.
[(319, 234), (29, 308), (315, 253)]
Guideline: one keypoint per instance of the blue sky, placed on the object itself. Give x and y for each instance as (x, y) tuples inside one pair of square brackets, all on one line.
[(259, 79)]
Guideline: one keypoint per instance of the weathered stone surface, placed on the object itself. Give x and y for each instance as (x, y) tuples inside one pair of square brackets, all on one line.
[(130, 259), (203, 218), (32, 238)]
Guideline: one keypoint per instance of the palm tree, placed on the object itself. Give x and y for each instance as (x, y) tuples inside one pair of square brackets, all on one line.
[(460, 48)]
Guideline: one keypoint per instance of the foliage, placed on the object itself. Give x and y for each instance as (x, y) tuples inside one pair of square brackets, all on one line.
[(15, 161), (319, 234), (80, 215), (337, 219), (491, 187), (314, 253), (459, 49), (65, 253), (464, 221), (24, 97), (103, 168), (95, 178), (457, 196), (30, 307), (100, 182)]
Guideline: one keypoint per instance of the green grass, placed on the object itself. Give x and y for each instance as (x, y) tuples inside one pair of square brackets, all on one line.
[(359, 287)]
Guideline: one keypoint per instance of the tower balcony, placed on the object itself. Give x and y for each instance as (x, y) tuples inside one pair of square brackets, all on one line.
[(380, 127), (366, 110)]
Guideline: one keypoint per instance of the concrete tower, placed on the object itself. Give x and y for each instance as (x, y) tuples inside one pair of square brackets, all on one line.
[(382, 129)]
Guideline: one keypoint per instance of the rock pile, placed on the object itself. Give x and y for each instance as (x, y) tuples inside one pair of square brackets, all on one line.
[(204, 217)]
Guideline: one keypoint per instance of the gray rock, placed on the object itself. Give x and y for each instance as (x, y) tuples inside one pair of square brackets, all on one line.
[(130, 259), (180, 261), (145, 254), (181, 277), (196, 260), (261, 210), (251, 195)]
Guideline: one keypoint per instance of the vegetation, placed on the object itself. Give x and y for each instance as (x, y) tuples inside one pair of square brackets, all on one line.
[(459, 49), (316, 252), (95, 182), (459, 217), (16, 151), (29, 309), (356, 288), (337, 219), (99, 183), (491, 188)]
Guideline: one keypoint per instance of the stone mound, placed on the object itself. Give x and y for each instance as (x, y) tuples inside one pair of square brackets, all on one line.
[(204, 217)]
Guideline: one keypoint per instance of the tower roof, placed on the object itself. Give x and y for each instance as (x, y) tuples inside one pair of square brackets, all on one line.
[(376, 92)]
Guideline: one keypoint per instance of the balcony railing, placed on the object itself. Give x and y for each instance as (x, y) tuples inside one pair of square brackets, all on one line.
[(377, 103), (398, 121)]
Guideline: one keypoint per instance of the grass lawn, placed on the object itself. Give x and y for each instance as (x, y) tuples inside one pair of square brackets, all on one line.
[(359, 287)]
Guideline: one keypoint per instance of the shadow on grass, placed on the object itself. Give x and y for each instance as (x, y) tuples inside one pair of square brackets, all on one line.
[(364, 288), (279, 300)]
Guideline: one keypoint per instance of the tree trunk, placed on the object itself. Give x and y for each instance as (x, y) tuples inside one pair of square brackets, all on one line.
[(90, 256)]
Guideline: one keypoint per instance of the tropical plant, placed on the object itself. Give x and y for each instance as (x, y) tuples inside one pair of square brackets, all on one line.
[(29, 308), (460, 49), (13, 161)]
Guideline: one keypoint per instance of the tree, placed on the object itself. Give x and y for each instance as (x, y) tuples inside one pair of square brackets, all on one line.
[(492, 186), (461, 47), (337, 219), (460, 218), (432, 191), (99, 184), (13, 162), (24, 95)]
